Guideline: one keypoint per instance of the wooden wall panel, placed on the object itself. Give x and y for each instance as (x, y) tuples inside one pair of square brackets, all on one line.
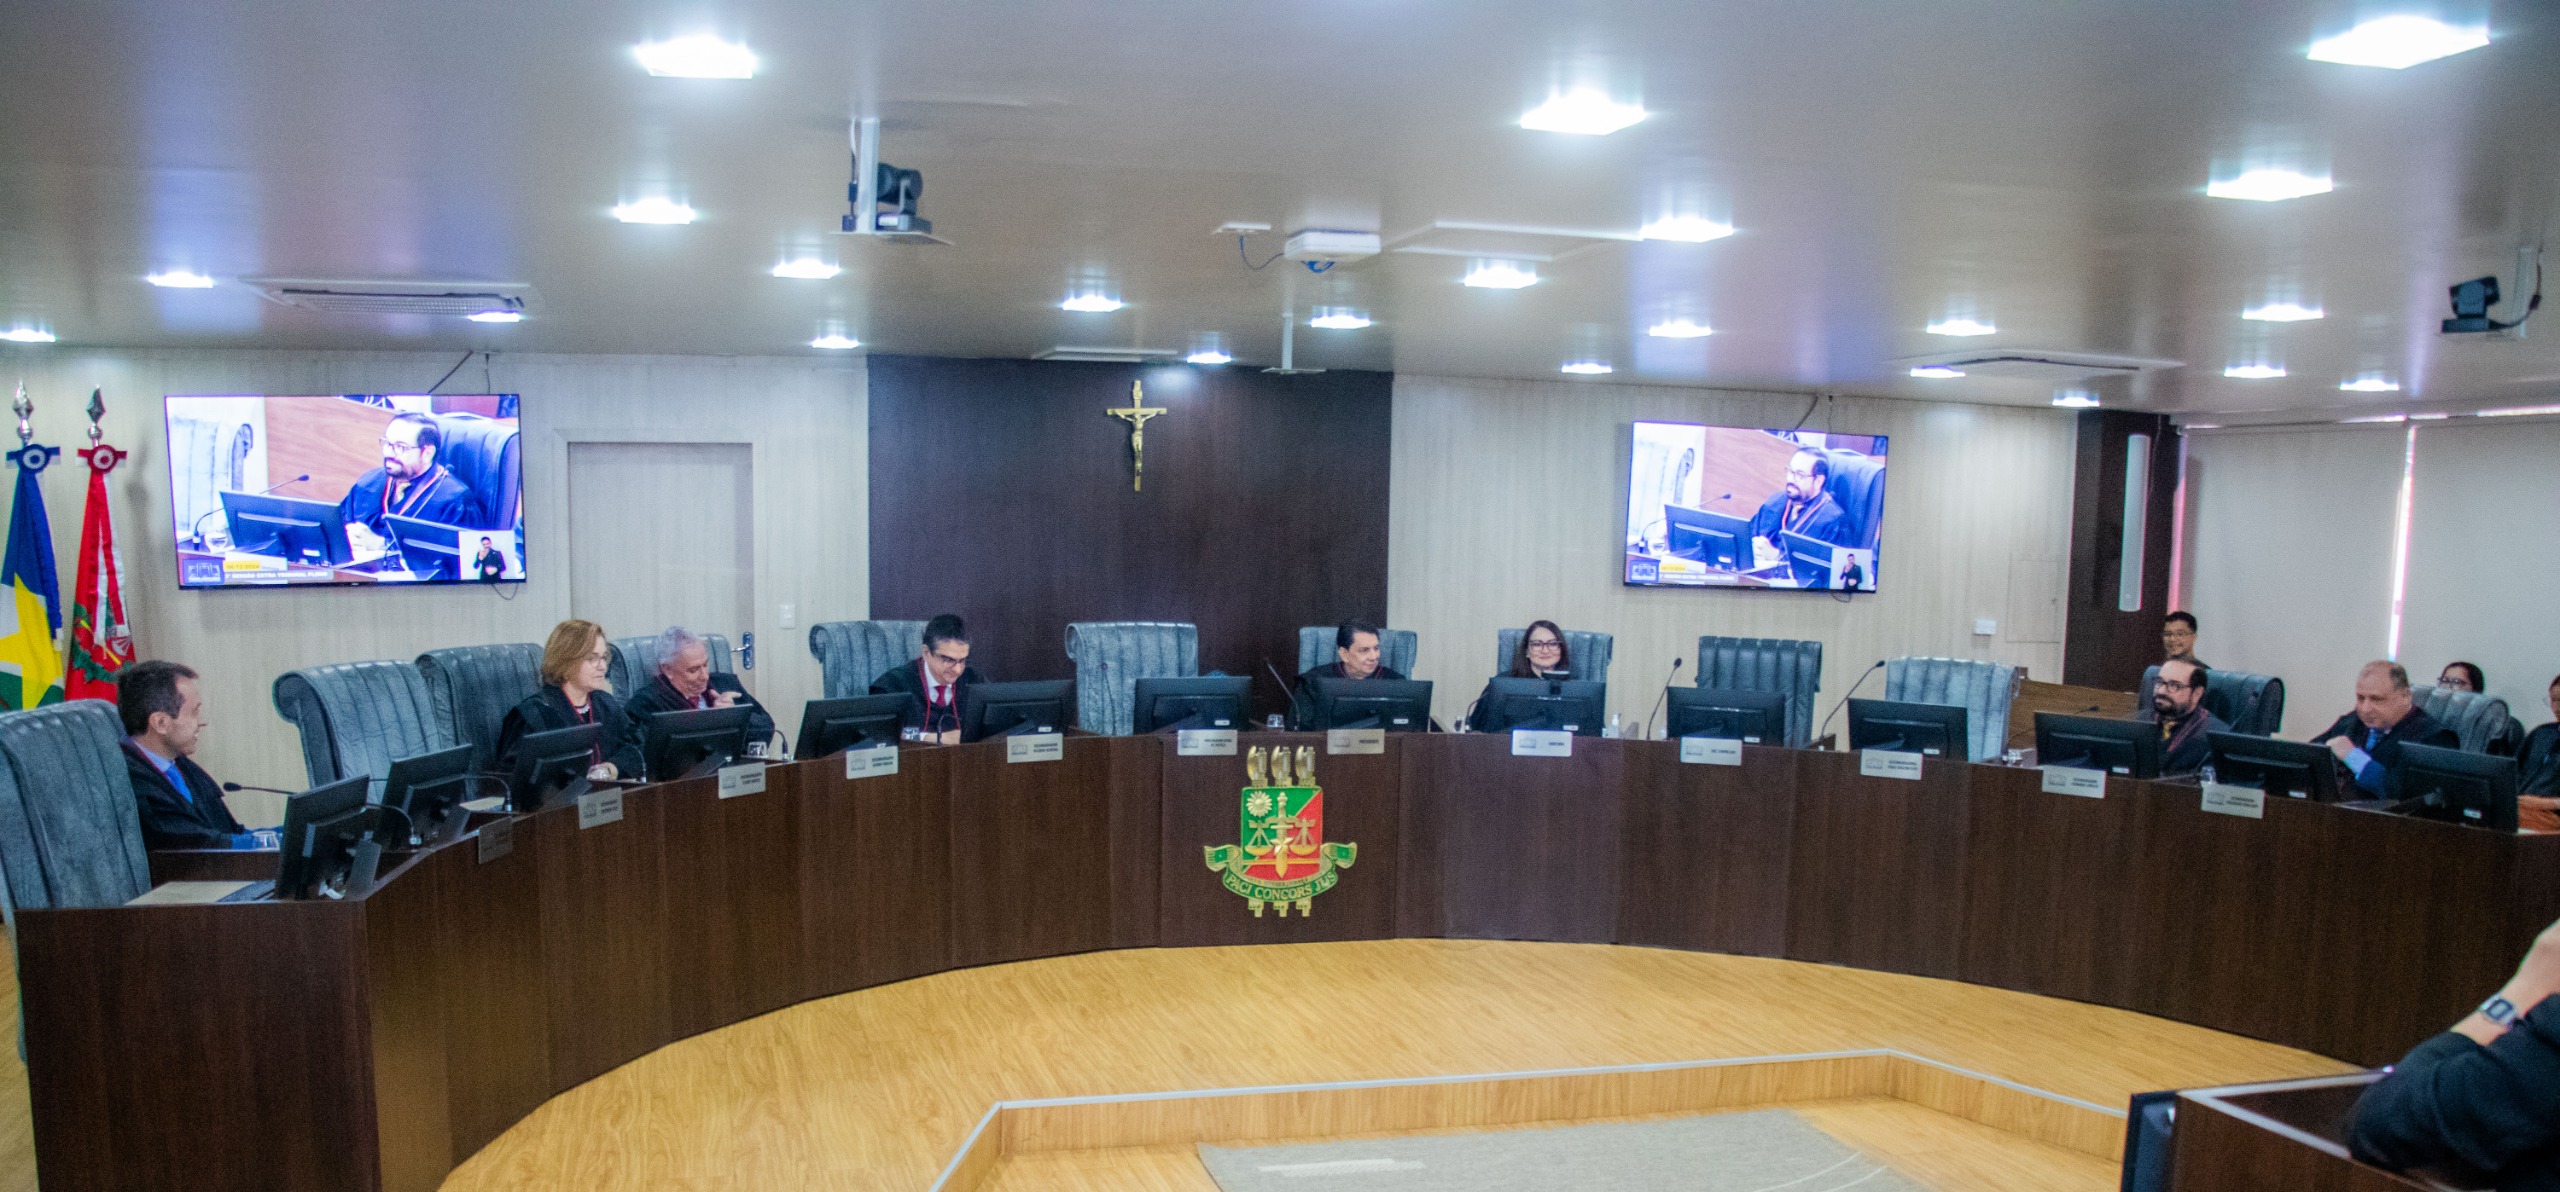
[(1000, 491), (1707, 851), (1530, 848), (1363, 804), (2045, 880), (1030, 853), (604, 937), (2106, 647), (875, 866), (733, 900), (1877, 877), (497, 1023)]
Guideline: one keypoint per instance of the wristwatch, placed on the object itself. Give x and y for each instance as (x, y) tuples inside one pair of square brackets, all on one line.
[(2499, 1010)]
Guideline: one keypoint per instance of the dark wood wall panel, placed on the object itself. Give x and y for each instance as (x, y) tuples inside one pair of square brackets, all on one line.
[(1877, 876), (1000, 491), (1707, 852), (1529, 847), (1031, 845), (875, 865), (733, 900), (2102, 645), (604, 939), (2046, 877), (497, 1022), (1363, 804)]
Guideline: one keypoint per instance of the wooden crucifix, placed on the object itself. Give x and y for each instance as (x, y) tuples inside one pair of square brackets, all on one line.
[(1137, 412)]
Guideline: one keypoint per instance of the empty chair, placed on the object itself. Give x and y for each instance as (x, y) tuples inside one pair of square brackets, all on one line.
[(359, 717), (1111, 656), (472, 687), (69, 833), (1983, 689), (2252, 704), (1396, 648), (1586, 652), (1856, 485), (635, 661), (487, 455), (1786, 666), (851, 654), (2480, 720)]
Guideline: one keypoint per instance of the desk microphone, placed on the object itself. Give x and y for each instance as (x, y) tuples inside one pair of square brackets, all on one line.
[(1666, 692), (1844, 699), (1288, 695), (234, 787), (196, 531)]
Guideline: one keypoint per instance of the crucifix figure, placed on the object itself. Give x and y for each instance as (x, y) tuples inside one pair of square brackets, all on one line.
[(1137, 412)]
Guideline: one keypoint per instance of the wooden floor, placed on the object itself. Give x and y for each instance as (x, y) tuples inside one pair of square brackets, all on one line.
[(877, 1089)]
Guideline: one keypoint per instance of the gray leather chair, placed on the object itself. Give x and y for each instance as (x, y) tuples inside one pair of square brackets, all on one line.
[(471, 688), (635, 661), (1396, 648), (2478, 719), (1784, 665), (851, 654), (2252, 704), (70, 835), (359, 717), (1983, 689), (1110, 658), (1588, 651)]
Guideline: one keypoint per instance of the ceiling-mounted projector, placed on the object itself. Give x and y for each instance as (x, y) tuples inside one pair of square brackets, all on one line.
[(884, 197)]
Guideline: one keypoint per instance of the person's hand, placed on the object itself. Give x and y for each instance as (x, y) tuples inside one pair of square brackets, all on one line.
[(362, 541), (724, 699), (2535, 979), (603, 772), (947, 737), (2341, 747)]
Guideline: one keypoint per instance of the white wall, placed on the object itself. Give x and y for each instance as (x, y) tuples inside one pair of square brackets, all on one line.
[(2484, 557), (1508, 497), (806, 421)]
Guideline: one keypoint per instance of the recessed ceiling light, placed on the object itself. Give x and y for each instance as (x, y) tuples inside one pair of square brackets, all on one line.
[(2269, 186), (654, 211), (1092, 304), (2076, 399), (1337, 319), (2282, 312), (179, 279), (496, 316), (1961, 327), (2439, 415), (2518, 411), (1501, 275), (1936, 372), (1687, 229), (2398, 42), (835, 341), (1207, 356), (2370, 383), (1583, 110), (2374, 418), (26, 335), (808, 269), (2254, 372), (700, 56), (1587, 368), (1679, 329)]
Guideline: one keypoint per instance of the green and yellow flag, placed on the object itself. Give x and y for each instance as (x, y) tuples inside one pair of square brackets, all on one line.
[(30, 598)]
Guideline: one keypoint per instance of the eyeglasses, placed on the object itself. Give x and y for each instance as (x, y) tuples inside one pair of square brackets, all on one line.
[(395, 445), (600, 656), (2172, 685), (1536, 644), (948, 660)]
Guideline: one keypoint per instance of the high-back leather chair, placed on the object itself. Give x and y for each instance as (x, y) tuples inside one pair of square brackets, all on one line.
[(1856, 484), (635, 661), (2478, 719), (1983, 689), (70, 833), (1396, 648), (2252, 704), (359, 717), (471, 688), (1784, 665), (1587, 651), (488, 455), (1110, 658), (852, 654)]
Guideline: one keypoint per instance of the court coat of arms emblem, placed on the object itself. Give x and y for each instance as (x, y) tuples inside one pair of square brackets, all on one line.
[(1281, 857)]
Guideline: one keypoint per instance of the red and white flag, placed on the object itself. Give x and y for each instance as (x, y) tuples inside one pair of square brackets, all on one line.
[(101, 642)]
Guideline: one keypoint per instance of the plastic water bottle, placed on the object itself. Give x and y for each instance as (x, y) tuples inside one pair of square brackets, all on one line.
[(1616, 726)]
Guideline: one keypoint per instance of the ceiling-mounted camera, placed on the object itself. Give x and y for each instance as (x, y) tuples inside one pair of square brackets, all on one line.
[(884, 197), (2472, 299)]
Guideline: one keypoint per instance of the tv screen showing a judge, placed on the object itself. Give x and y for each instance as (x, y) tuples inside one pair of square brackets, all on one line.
[(1721, 506), (354, 489)]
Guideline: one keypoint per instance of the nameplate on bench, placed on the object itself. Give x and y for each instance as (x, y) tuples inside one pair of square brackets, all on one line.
[(1541, 742), (743, 779), (2223, 798), (1035, 747), (1889, 763), (1204, 742), (1710, 751), (497, 839), (877, 761), (1355, 740), (2074, 780), (598, 808)]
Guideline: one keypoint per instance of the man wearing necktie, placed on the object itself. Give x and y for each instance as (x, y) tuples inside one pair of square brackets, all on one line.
[(2367, 741), (935, 679), (181, 805)]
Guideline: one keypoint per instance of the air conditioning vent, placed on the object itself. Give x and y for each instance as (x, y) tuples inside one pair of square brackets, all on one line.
[(2035, 364), (441, 299), (1106, 355)]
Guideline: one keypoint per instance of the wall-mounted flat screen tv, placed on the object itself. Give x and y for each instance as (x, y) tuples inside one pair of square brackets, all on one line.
[(1723, 506), (353, 489)]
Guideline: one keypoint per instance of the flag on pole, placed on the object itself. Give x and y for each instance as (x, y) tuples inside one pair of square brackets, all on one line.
[(30, 669), (101, 642)]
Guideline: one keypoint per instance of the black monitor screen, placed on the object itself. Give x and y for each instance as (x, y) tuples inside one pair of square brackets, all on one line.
[(2458, 787), (1213, 701), (427, 793), (693, 742), (329, 850), (1552, 704), (2127, 747), (1751, 717), (1016, 709), (1937, 730), (2276, 767), (1396, 705), (551, 763), (831, 726)]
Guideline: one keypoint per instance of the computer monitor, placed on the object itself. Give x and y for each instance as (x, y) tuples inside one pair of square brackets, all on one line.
[(2276, 767), (328, 842), (831, 726), (1209, 701), (296, 529), (2458, 787), (2127, 747), (1560, 705), (1751, 717), (1396, 705), (430, 549), (694, 742), (1938, 730), (1016, 709), (425, 795), (553, 764), (1808, 559), (1718, 540)]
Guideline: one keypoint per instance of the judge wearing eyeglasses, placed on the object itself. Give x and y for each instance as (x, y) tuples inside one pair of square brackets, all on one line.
[(2177, 706)]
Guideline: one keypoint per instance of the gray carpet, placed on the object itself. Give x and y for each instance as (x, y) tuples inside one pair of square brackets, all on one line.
[(1769, 1150)]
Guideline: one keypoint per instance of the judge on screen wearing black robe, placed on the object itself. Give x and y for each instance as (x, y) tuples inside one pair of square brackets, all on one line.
[(412, 481), (1804, 506)]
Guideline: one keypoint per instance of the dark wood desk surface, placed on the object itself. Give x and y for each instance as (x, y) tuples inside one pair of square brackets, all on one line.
[(374, 1043)]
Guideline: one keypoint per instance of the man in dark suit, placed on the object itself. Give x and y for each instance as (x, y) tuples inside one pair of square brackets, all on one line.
[(686, 682), (2367, 741), (935, 679), (2177, 706), (1803, 506), (181, 805), (2483, 1097), (490, 563), (411, 482), (1355, 656)]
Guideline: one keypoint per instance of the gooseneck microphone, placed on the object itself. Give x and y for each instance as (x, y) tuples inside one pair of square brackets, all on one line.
[(1288, 695), (234, 788), (1658, 700), (1819, 733), (196, 531)]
